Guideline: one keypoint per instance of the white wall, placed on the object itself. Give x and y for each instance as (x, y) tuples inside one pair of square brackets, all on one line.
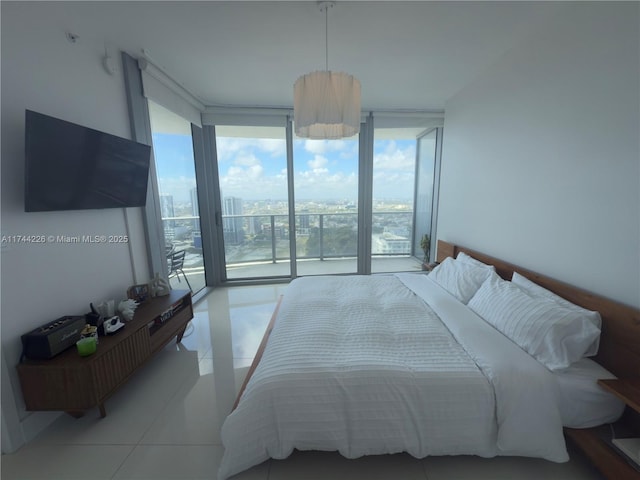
[(541, 162), (42, 71)]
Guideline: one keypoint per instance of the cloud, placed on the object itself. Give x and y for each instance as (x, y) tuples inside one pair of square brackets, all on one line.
[(255, 169), (395, 158), (397, 185), (319, 147), (275, 147), (229, 148), (242, 173), (319, 184), (316, 147), (234, 172), (246, 160), (178, 187), (318, 162), (255, 172), (268, 187), (251, 182)]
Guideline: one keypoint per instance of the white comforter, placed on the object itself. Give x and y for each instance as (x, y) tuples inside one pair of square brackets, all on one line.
[(362, 365)]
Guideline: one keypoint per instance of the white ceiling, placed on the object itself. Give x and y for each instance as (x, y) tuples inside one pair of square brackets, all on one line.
[(408, 55)]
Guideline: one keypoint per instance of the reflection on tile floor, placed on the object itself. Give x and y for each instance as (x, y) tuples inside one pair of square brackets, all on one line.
[(165, 422)]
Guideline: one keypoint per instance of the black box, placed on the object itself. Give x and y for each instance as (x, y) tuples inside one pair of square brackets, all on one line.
[(52, 338)]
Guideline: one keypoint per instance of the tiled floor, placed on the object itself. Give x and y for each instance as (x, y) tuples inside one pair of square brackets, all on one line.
[(165, 423)]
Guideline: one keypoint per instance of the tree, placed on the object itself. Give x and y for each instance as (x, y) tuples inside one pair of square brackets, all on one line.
[(336, 241), (425, 245)]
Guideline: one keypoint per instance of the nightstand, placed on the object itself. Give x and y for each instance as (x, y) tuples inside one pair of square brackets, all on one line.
[(628, 390), (607, 459)]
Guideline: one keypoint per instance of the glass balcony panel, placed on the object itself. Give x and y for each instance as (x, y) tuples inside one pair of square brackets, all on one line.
[(327, 246), (175, 169)]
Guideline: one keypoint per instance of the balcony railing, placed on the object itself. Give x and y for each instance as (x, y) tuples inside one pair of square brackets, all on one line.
[(265, 238)]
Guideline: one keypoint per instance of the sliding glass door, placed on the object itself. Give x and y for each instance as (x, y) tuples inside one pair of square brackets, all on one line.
[(252, 171), (392, 219), (175, 169), (326, 205), (253, 177)]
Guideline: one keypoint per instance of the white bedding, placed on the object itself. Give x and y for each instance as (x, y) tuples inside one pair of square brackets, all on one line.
[(582, 402), (362, 365)]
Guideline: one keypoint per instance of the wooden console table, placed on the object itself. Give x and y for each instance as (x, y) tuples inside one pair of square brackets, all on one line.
[(74, 384)]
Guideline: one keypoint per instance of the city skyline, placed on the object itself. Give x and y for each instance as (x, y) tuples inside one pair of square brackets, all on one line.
[(171, 208)]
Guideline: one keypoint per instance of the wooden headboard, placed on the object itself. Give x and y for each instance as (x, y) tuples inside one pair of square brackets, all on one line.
[(620, 339)]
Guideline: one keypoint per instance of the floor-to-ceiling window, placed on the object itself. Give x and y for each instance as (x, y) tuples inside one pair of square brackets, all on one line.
[(252, 171), (301, 201), (326, 205), (175, 171), (393, 200)]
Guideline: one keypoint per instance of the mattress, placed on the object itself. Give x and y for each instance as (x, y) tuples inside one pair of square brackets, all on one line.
[(365, 365), (583, 403)]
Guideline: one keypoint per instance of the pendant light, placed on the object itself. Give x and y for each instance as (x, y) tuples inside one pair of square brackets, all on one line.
[(326, 104)]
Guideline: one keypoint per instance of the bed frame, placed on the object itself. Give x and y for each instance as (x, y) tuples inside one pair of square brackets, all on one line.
[(619, 352), (258, 357)]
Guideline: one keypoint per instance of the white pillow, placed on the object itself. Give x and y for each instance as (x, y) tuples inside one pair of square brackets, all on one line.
[(536, 290), (554, 335), (460, 279), (463, 257)]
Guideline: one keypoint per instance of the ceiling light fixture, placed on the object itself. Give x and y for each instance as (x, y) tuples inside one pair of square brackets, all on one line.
[(326, 105)]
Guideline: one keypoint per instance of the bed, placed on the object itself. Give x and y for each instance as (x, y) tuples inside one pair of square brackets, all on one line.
[(381, 364)]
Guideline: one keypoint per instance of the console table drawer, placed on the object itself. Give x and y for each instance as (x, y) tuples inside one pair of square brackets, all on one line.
[(160, 335), (57, 388), (116, 365)]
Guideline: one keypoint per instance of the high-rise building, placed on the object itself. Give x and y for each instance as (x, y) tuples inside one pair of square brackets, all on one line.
[(254, 225), (167, 211), (390, 244), (232, 227), (302, 225)]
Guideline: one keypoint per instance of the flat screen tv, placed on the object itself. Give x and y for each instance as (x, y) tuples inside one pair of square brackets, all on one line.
[(71, 167)]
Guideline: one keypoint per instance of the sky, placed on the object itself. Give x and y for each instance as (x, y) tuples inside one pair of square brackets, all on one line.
[(255, 168)]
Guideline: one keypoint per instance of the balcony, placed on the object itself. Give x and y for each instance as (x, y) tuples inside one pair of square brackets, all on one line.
[(257, 246)]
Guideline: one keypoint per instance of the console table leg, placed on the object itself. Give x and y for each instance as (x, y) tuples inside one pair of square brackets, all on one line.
[(103, 412), (181, 333)]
